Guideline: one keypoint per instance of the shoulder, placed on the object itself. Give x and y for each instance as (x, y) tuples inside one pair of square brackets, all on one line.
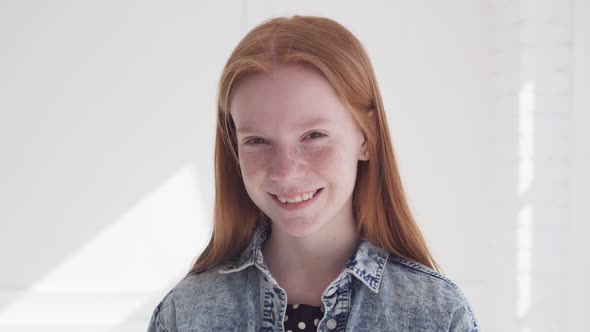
[(204, 287), (424, 289), (419, 276), (164, 317), (199, 296)]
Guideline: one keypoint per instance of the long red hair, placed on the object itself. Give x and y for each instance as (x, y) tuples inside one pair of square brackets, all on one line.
[(380, 208)]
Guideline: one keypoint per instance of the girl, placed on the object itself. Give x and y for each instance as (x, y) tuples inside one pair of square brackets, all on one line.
[(312, 230)]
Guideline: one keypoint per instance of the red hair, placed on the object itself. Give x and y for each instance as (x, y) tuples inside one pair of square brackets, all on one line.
[(380, 208)]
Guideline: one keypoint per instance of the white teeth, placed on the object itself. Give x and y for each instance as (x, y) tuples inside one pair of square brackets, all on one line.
[(298, 198)]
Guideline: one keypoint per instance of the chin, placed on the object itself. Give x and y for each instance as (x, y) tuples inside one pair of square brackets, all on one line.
[(297, 227)]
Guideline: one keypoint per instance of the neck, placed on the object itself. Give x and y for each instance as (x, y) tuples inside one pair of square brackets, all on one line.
[(316, 257)]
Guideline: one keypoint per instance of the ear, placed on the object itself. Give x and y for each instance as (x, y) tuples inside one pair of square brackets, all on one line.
[(364, 153)]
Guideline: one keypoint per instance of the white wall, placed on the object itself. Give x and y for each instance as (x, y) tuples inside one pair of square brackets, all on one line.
[(538, 90), (579, 246), (106, 134), (530, 98)]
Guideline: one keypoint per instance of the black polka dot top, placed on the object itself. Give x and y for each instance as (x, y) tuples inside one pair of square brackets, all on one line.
[(302, 317)]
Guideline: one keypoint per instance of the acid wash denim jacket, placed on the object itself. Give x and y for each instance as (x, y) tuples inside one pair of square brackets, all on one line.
[(376, 291)]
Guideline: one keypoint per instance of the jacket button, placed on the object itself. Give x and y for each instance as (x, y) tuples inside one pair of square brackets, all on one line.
[(331, 323)]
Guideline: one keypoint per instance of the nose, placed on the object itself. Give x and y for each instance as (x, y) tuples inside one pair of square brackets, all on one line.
[(286, 164)]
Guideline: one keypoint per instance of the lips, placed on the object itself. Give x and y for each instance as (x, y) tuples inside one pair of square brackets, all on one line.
[(295, 202), (296, 198)]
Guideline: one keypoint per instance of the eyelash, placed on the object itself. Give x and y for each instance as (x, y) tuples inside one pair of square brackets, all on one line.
[(250, 141)]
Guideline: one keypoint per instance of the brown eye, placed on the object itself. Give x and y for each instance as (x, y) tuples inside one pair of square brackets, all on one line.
[(315, 135), (256, 140)]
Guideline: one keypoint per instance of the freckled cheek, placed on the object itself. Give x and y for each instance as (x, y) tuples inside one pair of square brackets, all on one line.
[(323, 158), (314, 159), (252, 164)]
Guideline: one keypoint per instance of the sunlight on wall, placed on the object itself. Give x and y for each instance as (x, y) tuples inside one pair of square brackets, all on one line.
[(525, 224), (113, 275)]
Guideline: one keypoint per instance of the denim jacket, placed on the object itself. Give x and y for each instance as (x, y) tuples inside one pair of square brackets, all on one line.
[(376, 291)]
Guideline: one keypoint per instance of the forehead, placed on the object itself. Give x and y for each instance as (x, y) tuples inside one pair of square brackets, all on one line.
[(290, 95)]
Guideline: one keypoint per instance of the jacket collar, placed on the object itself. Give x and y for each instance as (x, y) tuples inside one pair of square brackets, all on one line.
[(366, 264)]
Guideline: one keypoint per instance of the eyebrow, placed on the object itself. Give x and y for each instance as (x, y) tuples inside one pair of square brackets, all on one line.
[(307, 124)]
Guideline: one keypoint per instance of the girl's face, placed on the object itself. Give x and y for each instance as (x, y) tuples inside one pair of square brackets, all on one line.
[(298, 148)]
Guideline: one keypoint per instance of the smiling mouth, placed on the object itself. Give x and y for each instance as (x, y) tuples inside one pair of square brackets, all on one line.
[(299, 198)]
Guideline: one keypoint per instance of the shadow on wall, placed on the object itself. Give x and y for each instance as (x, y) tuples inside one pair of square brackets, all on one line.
[(89, 243), (105, 159)]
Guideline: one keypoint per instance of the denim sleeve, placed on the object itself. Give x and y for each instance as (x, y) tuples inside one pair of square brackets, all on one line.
[(163, 318), (156, 324), (463, 320)]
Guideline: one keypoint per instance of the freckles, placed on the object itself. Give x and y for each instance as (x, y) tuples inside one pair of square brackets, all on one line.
[(323, 156), (335, 161), (252, 163)]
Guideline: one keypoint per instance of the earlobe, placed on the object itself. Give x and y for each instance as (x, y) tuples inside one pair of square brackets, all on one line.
[(364, 150), (364, 153)]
